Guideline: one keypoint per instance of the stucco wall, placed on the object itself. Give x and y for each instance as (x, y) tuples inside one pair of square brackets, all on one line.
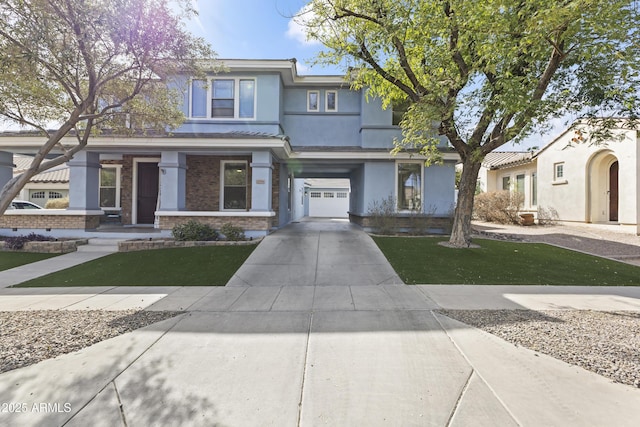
[(493, 182), (581, 195)]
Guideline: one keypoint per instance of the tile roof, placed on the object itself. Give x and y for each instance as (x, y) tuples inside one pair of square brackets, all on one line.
[(506, 159), (58, 174)]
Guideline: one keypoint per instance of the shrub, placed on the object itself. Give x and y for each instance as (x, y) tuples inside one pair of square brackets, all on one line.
[(17, 242), (57, 203), (421, 223), (232, 232), (498, 206), (383, 215), (194, 231), (547, 216)]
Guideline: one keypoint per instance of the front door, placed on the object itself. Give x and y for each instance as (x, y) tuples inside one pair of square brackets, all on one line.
[(147, 192), (613, 192)]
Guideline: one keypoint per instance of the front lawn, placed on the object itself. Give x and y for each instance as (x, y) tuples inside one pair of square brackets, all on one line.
[(196, 266), (15, 259), (423, 261)]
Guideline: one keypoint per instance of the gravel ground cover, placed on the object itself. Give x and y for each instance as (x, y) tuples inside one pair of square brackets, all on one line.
[(607, 343), (28, 337)]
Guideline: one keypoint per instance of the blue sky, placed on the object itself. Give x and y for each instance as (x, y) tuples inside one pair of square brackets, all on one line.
[(257, 29)]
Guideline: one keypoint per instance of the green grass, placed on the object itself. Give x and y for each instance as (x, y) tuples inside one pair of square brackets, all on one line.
[(197, 266), (15, 259), (423, 261)]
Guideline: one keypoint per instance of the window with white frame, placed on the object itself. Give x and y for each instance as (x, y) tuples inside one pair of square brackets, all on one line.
[(234, 185), (534, 189), (331, 100), (230, 98), (55, 195), (506, 183), (110, 186), (409, 186), (313, 100), (558, 171), (520, 184), (315, 195), (38, 195)]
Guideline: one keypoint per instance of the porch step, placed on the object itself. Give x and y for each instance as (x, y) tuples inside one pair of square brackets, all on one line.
[(100, 245)]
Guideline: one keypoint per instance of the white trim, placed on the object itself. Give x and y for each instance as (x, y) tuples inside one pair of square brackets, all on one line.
[(326, 101), (309, 109), (255, 214), (246, 185), (134, 188), (364, 155), (236, 99), (118, 187), (416, 162)]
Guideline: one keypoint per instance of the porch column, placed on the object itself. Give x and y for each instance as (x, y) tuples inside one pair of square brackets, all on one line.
[(84, 181), (6, 167), (261, 181), (173, 179)]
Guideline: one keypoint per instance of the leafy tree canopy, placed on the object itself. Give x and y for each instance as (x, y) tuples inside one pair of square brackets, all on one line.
[(84, 66), (483, 73)]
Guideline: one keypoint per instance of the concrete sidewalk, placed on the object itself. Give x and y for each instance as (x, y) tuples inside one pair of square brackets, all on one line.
[(336, 355)]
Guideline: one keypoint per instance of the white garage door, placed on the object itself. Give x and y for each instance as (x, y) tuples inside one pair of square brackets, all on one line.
[(328, 204)]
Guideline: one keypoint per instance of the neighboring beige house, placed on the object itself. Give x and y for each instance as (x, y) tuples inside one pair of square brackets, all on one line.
[(586, 182), (582, 181), (513, 171)]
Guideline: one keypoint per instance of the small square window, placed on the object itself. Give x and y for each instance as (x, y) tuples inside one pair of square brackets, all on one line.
[(331, 100), (313, 100), (506, 183)]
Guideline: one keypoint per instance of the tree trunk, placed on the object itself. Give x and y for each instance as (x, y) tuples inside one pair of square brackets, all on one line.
[(461, 230)]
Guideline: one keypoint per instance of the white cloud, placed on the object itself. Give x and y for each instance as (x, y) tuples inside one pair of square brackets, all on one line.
[(297, 30)]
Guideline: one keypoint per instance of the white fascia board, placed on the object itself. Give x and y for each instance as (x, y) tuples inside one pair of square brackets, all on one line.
[(288, 69), (180, 144), (364, 155)]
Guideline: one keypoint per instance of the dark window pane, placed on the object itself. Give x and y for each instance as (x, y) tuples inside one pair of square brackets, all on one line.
[(235, 197), (107, 197)]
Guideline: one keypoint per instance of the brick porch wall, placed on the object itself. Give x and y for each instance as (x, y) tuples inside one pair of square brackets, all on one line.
[(246, 223), (203, 182), (44, 221)]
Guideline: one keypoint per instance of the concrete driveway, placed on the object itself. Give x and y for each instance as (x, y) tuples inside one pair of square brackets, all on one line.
[(316, 253)]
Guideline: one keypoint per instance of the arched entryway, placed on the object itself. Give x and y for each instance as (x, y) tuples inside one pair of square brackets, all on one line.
[(602, 187)]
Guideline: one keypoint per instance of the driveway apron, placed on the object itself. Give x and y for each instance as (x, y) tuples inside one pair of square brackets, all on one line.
[(316, 253)]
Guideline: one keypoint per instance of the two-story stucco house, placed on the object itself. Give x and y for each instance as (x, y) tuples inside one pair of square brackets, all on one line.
[(250, 133)]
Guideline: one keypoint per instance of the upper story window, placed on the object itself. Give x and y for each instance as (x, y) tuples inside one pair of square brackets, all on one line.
[(399, 108), (331, 100), (230, 98), (313, 100), (558, 171)]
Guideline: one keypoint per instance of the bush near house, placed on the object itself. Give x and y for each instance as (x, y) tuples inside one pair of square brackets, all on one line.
[(57, 203), (502, 207), (232, 232), (194, 231), (382, 213)]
